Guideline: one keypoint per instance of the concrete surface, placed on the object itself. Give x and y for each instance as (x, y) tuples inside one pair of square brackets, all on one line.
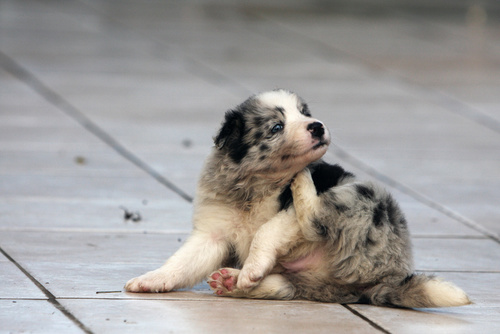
[(111, 105)]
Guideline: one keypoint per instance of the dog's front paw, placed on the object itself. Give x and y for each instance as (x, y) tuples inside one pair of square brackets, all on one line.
[(223, 281), (153, 281)]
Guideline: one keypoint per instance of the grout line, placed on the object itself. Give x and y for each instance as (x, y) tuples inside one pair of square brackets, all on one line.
[(51, 298), (449, 237), (341, 153), (92, 230), (458, 271), (58, 101), (368, 320), (23, 298)]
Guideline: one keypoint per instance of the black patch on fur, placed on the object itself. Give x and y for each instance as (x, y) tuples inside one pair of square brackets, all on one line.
[(305, 110), (286, 198), (258, 121), (407, 279), (364, 191), (378, 214), (364, 300), (230, 136), (322, 229), (239, 152), (281, 110), (258, 135), (341, 208), (263, 148), (326, 176), (369, 242), (395, 216), (393, 212)]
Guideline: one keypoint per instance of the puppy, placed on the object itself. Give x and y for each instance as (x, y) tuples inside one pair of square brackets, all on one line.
[(262, 144), (325, 237)]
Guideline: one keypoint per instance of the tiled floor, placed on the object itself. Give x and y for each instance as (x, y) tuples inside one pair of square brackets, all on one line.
[(106, 105)]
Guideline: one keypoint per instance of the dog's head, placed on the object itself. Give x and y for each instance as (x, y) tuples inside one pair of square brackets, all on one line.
[(272, 132)]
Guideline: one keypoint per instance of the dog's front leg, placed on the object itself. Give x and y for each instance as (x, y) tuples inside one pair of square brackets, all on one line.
[(195, 260), (272, 239)]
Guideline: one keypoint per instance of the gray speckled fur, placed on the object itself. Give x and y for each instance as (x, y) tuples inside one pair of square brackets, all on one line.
[(366, 245)]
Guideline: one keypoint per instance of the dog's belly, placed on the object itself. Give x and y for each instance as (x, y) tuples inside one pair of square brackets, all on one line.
[(307, 262)]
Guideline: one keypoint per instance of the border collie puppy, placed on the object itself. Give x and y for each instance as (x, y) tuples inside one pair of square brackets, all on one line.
[(297, 227)]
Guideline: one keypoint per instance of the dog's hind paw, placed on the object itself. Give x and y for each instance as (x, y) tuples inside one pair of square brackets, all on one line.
[(223, 281), (303, 179)]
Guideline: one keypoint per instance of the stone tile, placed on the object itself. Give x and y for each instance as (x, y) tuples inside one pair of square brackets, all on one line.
[(67, 160), (91, 247), (85, 186), (167, 212), (456, 255), (465, 319), (33, 316), (78, 264), (480, 287), (15, 285), (221, 315)]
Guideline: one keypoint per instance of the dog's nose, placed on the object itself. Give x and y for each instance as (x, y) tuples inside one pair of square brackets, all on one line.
[(316, 129)]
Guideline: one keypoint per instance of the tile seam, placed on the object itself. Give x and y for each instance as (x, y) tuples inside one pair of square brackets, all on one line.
[(50, 297), (343, 154), (366, 319), (79, 117)]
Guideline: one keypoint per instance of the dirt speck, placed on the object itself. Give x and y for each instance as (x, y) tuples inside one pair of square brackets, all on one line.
[(79, 160)]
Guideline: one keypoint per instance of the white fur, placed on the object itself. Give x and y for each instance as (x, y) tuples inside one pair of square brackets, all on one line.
[(445, 294), (271, 240)]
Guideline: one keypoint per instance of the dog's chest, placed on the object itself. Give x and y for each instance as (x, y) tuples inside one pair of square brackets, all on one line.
[(258, 214), (248, 222)]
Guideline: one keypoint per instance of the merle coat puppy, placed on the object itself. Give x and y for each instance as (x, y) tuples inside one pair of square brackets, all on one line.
[(324, 237)]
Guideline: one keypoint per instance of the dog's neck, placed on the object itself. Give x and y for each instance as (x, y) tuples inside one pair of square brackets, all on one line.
[(232, 184)]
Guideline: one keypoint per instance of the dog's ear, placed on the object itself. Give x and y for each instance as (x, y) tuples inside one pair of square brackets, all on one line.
[(231, 131), (231, 134)]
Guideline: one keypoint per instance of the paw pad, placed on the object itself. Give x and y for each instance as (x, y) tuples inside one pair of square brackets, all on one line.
[(223, 281)]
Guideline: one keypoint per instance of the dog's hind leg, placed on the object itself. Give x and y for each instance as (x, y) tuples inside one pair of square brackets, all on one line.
[(306, 203), (271, 240), (275, 286)]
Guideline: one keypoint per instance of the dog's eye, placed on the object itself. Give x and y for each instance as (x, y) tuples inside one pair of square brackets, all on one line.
[(277, 128)]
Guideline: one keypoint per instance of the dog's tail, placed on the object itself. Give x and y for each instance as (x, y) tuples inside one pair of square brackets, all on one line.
[(418, 291)]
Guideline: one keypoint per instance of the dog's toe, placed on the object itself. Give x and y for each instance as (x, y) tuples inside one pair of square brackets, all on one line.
[(153, 281), (223, 281), (249, 278)]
